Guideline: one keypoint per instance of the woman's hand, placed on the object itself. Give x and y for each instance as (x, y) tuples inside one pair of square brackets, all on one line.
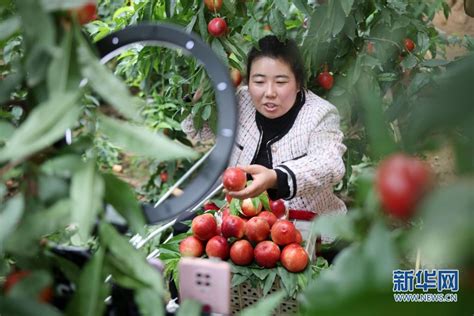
[(263, 179)]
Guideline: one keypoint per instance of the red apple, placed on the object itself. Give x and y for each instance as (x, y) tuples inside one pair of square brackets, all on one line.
[(233, 226), (86, 13), (225, 212), (213, 5), (234, 179), (241, 252), (46, 294), (217, 27), (248, 209), (210, 206), (257, 229), (266, 254), (269, 217), (409, 44), (204, 226), (298, 237), (217, 247), (278, 208), (235, 76), (283, 232), (191, 247), (294, 258)]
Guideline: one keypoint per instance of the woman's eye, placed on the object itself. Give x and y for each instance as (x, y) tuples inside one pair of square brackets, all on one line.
[(281, 82)]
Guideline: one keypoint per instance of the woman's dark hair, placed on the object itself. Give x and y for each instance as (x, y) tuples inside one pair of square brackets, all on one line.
[(287, 51)]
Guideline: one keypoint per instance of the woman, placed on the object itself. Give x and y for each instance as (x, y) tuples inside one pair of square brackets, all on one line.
[(289, 139)]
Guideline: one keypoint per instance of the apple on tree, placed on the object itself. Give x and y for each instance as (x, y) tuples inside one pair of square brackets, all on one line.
[(217, 27)]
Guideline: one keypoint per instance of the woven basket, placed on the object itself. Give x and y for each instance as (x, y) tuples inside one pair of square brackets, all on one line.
[(245, 295)]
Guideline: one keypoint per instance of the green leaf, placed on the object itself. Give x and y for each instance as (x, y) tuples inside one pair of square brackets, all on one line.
[(25, 239), (337, 226), (9, 27), (91, 290), (87, 191), (9, 84), (220, 51), (62, 74), (336, 17), (10, 216), (39, 37), (189, 308), (45, 125), (59, 5), (206, 113), (409, 62), (25, 307), (62, 166), (261, 273), (238, 279), (283, 6), (269, 282), (131, 260), (380, 138), (277, 23), (302, 6), (288, 280), (347, 6), (149, 304), (265, 306), (119, 194), (451, 247), (202, 24), (234, 207), (265, 201), (142, 141), (434, 63), (109, 87)]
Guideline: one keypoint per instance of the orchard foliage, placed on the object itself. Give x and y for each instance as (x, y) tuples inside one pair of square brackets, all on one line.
[(391, 82)]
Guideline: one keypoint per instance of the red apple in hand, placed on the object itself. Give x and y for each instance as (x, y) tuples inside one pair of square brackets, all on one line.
[(294, 258), (191, 247), (234, 179), (266, 254), (257, 229), (217, 247), (241, 252), (248, 209), (204, 226), (283, 232), (278, 208)]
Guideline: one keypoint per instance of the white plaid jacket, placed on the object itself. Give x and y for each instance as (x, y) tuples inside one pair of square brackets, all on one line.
[(310, 153)]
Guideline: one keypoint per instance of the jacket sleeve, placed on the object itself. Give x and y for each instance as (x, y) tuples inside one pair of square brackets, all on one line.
[(322, 166)]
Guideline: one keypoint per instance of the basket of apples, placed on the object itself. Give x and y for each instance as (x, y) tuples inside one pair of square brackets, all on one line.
[(266, 251)]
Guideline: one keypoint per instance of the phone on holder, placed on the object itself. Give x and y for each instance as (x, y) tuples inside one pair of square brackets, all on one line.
[(206, 281)]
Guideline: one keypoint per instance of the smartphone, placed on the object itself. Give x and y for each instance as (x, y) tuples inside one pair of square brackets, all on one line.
[(206, 281)]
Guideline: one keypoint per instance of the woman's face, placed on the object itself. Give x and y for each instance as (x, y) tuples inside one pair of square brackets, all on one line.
[(272, 86)]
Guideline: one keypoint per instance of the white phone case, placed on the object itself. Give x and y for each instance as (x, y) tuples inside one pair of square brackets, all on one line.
[(206, 281)]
